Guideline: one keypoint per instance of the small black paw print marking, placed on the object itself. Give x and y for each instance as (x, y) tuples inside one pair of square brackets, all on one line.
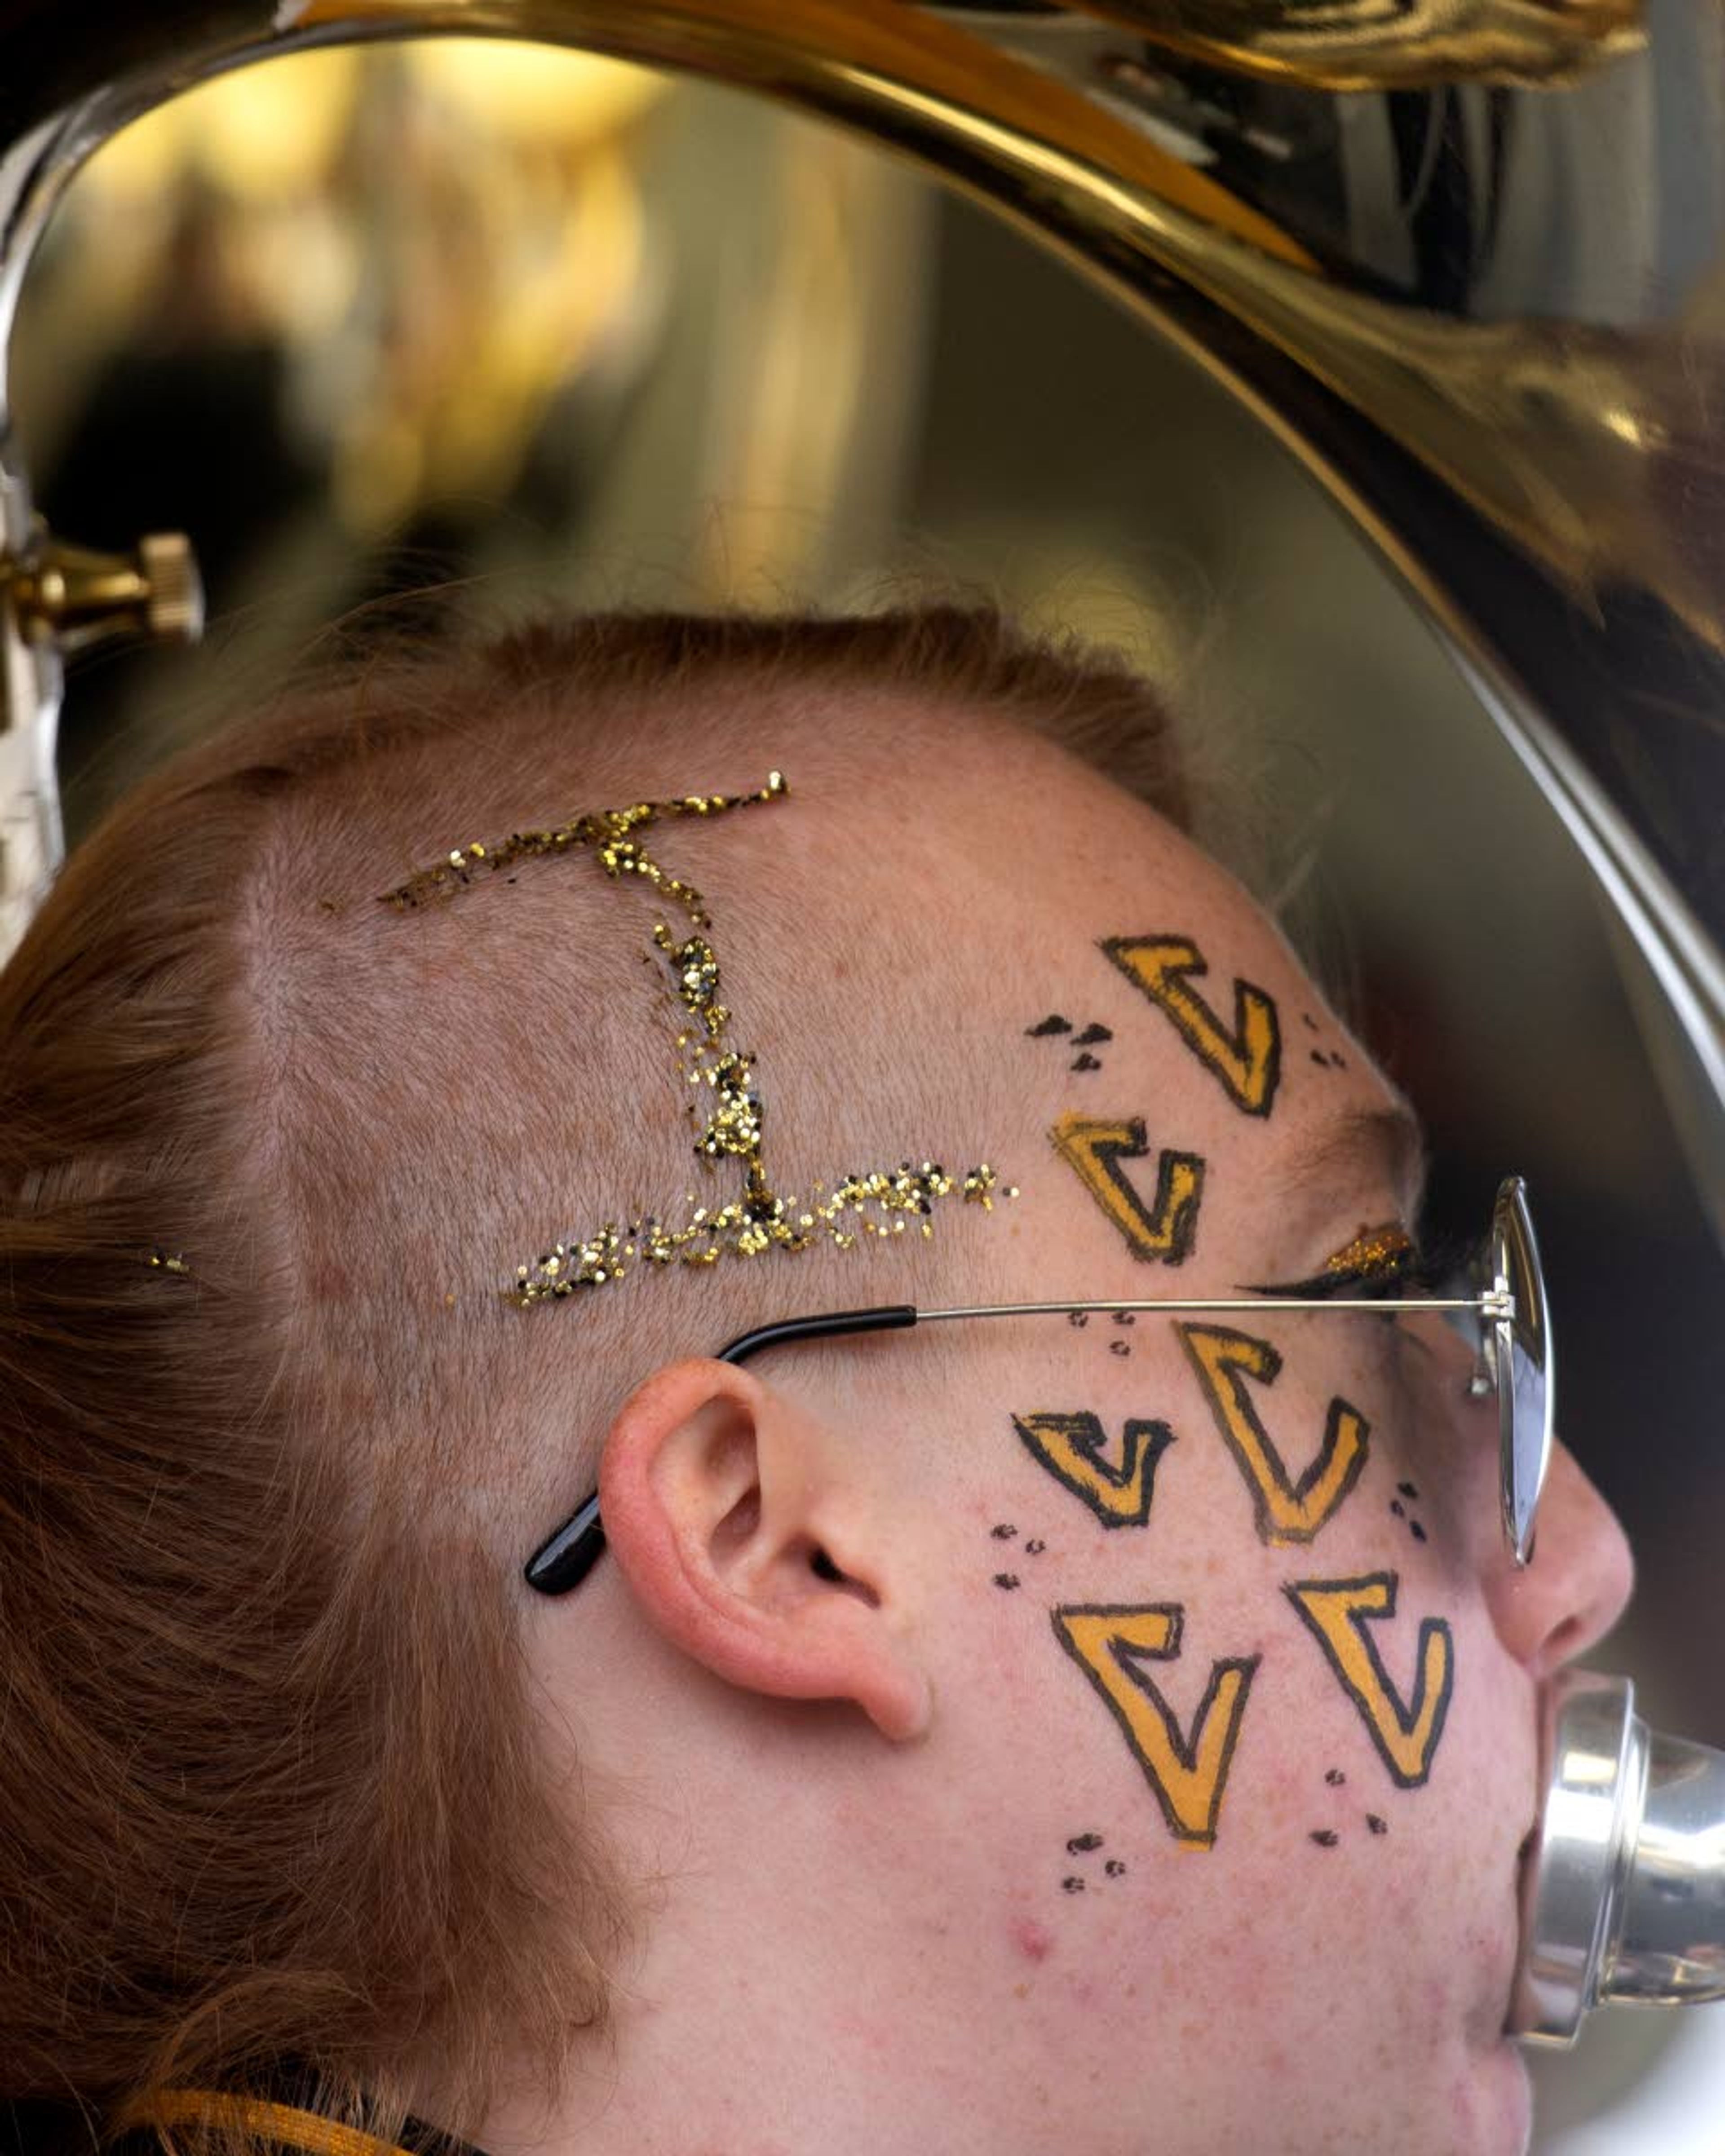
[(1119, 1347), (1400, 1509), (1034, 1547), (1004, 1534), (1006, 1579), (1335, 1777), (1080, 1318), (1055, 1027), (1114, 1868), (1072, 1885), (1377, 1826), (1126, 1317), (1326, 1837), (1082, 1845)]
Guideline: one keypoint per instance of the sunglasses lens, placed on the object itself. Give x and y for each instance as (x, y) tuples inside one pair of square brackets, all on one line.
[(1523, 1367)]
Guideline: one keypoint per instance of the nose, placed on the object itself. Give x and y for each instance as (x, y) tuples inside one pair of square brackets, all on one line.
[(1577, 1582)]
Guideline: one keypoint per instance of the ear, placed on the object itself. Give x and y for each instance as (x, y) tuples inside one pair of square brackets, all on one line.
[(751, 1542)]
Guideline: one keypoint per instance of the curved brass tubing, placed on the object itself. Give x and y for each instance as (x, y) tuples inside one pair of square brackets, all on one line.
[(1519, 406), (1390, 44)]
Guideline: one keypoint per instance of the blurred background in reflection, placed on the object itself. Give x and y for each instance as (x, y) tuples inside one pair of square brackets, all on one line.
[(525, 328)]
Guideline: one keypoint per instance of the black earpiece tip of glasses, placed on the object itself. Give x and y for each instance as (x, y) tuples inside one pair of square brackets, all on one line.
[(565, 1561), (825, 1325)]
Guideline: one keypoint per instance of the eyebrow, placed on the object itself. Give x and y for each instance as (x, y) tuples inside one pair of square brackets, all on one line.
[(1363, 1142)]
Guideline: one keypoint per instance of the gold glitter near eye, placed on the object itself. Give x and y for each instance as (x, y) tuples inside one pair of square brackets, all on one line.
[(1372, 1251), (874, 1203), (159, 1261)]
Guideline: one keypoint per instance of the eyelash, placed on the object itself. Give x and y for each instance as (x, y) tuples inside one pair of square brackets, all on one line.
[(1431, 1268)]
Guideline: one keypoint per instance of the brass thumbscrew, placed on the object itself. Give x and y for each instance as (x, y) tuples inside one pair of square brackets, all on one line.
[(73, 597)]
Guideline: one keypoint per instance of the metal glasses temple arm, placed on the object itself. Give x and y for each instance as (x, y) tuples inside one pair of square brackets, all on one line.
[(565, 1559), (1492, 1304)]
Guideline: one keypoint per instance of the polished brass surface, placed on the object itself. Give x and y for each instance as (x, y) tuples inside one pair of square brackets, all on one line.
[(76, 597), (1487, 318), (1390, 45)]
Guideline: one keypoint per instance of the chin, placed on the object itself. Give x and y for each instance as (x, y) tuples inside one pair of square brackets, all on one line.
[(1499, 2103)]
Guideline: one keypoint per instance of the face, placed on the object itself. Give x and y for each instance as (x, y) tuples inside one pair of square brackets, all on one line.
[(1218, 1823)]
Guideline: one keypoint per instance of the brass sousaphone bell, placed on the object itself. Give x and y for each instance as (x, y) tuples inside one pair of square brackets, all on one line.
[(1519, 395)]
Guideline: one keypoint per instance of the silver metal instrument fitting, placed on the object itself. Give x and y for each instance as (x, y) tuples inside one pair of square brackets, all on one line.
[(1624, 1896)]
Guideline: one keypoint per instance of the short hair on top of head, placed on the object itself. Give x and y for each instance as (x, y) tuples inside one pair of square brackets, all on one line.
[(271, 1785)]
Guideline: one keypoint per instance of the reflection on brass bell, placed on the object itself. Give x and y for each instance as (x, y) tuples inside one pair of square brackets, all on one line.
[(73, 597)]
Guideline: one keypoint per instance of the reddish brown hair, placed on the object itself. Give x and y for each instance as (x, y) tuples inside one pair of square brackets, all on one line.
[(270, 1789)]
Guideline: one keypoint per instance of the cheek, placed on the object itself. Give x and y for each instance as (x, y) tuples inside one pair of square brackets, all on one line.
[(1348, 1979), (1222, 1763), (1445, 1438)]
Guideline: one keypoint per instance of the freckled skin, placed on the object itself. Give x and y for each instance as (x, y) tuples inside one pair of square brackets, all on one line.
[(1264, 1994)]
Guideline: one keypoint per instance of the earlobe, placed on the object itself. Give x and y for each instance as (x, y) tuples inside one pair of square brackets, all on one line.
[(748, 1538)]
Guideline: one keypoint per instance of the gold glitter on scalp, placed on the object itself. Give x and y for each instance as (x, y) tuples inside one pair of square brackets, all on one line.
[(1372, 1251), (160, 1262), (880, 1202), (607, 833), (884, 1202)]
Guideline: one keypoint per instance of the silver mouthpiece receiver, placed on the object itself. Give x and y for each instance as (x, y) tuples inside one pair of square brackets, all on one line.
[(1622, 1896)]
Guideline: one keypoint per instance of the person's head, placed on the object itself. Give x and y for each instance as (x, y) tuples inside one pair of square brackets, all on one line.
[(997, 1735)]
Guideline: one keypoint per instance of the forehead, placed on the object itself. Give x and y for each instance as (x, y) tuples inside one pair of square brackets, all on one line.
[(964, 821), (1069, 986)]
